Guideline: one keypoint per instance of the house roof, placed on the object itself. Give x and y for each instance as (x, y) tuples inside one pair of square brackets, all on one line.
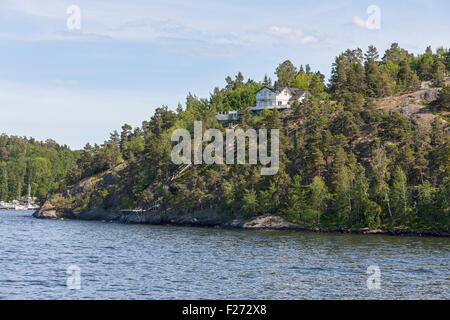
[(295, 92)]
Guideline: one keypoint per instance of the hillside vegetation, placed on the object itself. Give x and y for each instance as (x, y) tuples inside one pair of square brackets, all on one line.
[(358, 153), (43, 165)]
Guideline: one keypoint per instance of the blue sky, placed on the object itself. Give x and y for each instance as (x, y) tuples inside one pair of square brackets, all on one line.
[(129, 57)]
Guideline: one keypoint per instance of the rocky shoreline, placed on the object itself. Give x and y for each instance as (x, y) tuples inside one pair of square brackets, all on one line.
[(212, 218)]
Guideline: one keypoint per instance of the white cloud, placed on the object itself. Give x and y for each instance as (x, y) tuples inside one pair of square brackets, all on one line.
[(125, 22), (290, 35), (309, 39), (283, 31)]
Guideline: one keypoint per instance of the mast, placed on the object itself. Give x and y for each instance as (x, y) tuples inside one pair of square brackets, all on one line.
[(29, 193)]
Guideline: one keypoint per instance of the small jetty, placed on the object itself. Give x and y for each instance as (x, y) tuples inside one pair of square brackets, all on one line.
[(132, 210), (155, 206)]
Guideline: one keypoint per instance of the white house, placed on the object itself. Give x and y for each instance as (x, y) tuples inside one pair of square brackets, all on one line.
[(269, 97), (278, 97)]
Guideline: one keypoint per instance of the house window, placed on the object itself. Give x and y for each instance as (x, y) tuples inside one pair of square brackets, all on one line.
[(279, 103)]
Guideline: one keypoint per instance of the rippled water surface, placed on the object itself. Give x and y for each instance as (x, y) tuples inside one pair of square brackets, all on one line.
[(119, 261)]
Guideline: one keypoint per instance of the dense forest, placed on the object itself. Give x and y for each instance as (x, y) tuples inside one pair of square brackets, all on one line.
[(343, 160), (43, 165)]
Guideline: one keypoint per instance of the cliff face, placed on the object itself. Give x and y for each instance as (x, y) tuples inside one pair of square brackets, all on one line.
[(84, 202), (414, 105), (100, 198), (212, 218), (58, 207), (94, 198)]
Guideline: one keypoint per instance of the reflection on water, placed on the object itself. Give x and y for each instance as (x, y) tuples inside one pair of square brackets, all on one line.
[(120, 261)]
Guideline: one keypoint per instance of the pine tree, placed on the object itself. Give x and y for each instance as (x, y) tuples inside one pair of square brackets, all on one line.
[(4, 191), (381, 176), (266, 201), (286, 73), (316, 163), (298, 200), (371, 54), (425, 205), (307, 69), (250, 207), (337, 166), (319, 196), (394, 54), (438, 74), (442, 214), (267, 81), (374, 80), (317, 86), (343, 196), (443, 100), (407, 78), (239, 82), (359, 195), (399, 195)]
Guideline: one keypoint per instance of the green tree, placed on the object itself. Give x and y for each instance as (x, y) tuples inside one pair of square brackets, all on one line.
[(444, 98), (381, 176), (399, 195), (4, 190), (298, 200), (344, 197), (267, 81), (250, 207), (438, 74), (319, 196), (407, 78), (286, 73), (266, 200), (371, 54), (425, 205)]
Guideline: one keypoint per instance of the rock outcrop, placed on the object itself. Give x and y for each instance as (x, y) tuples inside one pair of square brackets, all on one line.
[(213, 218), (270, 222), (414, 105)]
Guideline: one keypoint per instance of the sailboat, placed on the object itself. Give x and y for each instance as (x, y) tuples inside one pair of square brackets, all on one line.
[(29, 205), (20, 204)]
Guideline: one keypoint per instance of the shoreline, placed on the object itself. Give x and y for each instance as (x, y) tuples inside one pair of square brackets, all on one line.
[(212, 219)]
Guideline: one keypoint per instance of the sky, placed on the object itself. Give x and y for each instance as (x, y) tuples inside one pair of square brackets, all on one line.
[(77, 83)]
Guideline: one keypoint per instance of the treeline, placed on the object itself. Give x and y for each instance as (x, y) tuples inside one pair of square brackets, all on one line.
[(24, 161), (365, 74), (342, 160), (355, 75)]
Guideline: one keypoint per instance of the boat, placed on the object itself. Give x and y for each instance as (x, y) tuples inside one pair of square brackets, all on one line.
[(20, 204), (17, 205), (32, 207), (7, 206)]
